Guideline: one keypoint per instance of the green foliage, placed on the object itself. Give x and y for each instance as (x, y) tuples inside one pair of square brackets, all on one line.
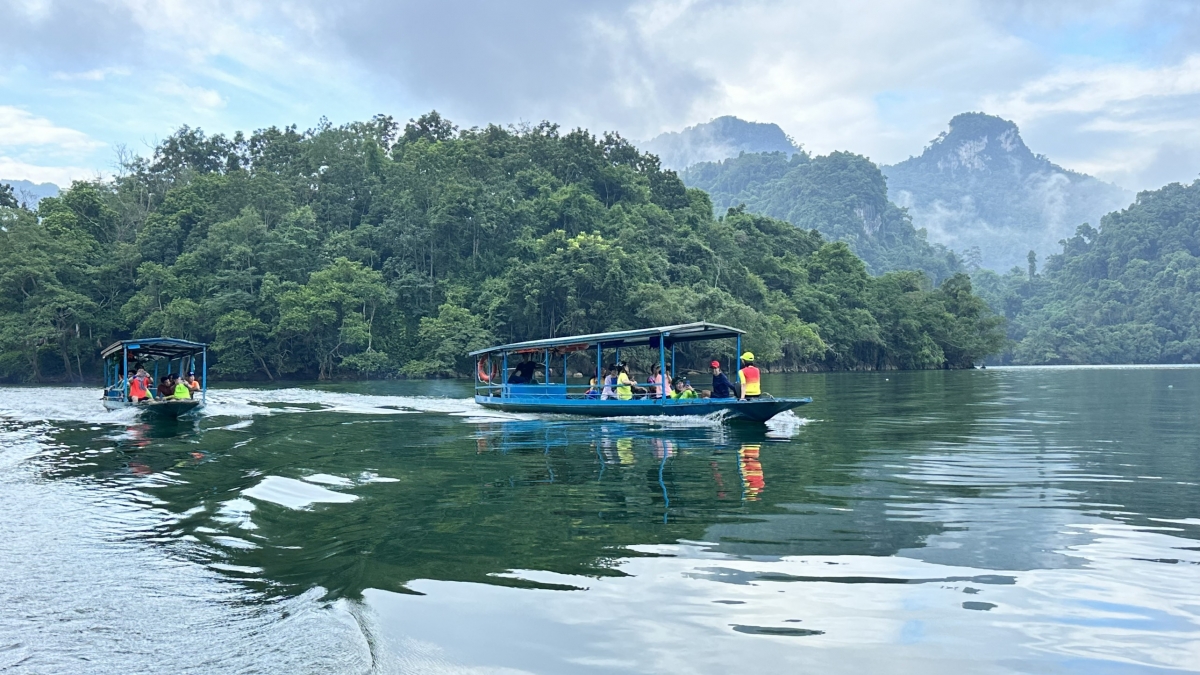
[(370, 250), (842, 195), (1128, 293)]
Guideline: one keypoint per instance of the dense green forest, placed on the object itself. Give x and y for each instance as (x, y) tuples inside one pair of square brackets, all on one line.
[(842, 195), (374, 250), (1126, 293)]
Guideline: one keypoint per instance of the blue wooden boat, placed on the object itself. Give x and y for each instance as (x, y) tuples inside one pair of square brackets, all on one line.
[(494, 390), (159, 356)]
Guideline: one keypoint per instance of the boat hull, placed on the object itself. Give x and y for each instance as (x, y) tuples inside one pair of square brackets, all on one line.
[(158, 409), (759, 410)]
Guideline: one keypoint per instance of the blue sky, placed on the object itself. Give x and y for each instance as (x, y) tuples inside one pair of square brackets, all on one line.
[(1109, 88)]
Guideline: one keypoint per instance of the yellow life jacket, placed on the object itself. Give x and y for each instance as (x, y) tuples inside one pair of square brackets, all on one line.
[(624, 387)]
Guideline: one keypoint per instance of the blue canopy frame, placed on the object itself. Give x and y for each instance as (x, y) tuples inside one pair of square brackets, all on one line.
[(117, 356), (660, 337)]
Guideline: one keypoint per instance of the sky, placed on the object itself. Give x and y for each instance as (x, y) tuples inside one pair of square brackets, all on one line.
[(1110, 88)]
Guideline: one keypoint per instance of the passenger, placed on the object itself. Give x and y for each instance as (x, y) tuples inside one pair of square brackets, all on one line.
[(658, 383), (683, 389), (193, 383), (524, 371), (704, 393), (610, 383), (748, 378), (139, 387), (721, 388), (624, 383), (166, 388), (182, 390), (593, 391)]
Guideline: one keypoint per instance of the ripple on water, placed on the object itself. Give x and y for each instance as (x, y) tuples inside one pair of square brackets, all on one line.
[(294, 494)]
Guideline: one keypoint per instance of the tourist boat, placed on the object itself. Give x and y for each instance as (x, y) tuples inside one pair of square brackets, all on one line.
[(493, 390), (159, 356)]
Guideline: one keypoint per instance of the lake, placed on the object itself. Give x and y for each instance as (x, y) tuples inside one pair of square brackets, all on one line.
[(1026, 520)]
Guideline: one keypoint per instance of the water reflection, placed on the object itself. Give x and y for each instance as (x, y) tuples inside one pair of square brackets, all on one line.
[(911, 513)]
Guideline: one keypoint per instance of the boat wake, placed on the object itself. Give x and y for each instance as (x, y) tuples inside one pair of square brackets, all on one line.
[(82, 404)]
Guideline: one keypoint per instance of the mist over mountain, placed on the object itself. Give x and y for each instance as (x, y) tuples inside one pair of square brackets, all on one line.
[(722, 138), (978, 185), (30, 193), (842, 195)]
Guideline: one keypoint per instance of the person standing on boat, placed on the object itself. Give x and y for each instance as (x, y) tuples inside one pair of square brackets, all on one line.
[(721, 386), (748, 377), (192, 383)]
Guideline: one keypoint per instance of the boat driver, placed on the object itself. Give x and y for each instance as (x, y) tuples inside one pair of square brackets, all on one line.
[(721, 387), (523, 372)]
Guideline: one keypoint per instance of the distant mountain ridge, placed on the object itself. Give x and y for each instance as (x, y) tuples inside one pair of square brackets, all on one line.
[(719, 139), (29, 192), (978, 185)]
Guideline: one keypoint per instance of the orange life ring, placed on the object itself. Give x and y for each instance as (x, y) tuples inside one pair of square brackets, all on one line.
[(484, 377)]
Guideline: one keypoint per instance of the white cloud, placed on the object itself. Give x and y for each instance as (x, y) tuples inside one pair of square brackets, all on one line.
[(93, 75), (14, 169), (21, 129), (879, 78), (1130, 124), (1107, 89), (197, 98)]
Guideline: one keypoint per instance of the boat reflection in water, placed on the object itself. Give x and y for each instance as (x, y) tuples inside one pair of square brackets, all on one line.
[(753, 481)]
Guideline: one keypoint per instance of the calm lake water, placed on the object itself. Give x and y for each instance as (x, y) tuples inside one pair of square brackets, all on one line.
[(998, 521)]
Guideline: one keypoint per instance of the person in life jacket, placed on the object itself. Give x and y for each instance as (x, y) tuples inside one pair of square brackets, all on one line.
[(748, 378), (182, 391), (139, 388)]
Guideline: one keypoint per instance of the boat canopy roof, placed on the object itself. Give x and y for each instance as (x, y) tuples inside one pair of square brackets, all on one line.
[(156, 348), (685, 332)]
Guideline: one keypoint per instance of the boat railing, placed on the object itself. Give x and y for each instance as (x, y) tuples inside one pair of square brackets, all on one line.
[(556, 390)]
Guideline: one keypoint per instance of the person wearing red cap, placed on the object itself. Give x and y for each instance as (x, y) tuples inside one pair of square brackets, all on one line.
[(721, 388)]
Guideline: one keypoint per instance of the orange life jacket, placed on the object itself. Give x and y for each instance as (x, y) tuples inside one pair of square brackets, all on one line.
[(749, 379), (137, 388)]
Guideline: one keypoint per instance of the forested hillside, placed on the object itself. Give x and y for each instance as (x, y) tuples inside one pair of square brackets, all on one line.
[(1127, 293), (978, 186), (716, 140), (841, 194), (370, 250)]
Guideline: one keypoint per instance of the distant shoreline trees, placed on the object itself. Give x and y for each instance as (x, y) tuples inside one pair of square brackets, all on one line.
[(375, 250)]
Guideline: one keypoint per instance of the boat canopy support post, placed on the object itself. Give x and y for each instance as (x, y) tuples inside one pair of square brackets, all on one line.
[(737, 357), (125, 371), (672, 361), (662, 369), (504, 377), (204, 375), (599, 365)]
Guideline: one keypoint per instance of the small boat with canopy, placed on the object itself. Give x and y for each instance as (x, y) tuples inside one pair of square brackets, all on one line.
[(648, 345), (158, 356)]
